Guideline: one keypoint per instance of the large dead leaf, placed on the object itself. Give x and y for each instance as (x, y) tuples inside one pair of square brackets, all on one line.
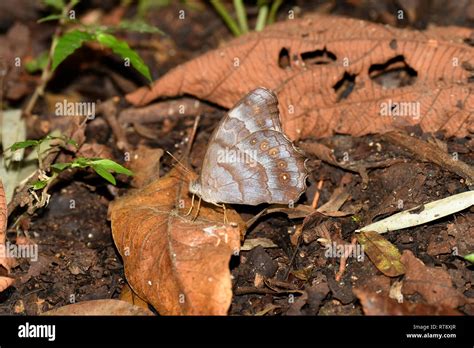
[(434, 284), (325, 73), (178, 265)]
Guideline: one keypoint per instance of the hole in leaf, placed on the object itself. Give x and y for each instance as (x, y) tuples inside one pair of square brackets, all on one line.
[(344, 86), (394, 73), (284, 59), (318, 57)]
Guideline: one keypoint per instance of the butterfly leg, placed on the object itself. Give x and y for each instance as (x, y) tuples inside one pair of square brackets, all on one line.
[(192, 206), (198, 208), (225, 214)]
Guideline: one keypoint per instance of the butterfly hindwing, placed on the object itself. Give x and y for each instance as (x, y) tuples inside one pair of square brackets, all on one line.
[(249, 160)]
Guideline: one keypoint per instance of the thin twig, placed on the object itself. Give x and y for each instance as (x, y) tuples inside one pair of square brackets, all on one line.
[(317, 194)]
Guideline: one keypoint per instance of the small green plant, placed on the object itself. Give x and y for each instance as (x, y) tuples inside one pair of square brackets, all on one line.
[(103, 167), (470, 258), (267, 10), (65, 43)]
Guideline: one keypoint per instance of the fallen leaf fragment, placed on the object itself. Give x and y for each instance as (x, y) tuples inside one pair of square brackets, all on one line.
[(434, 284), (5, 282), (432, 153), (378, 304), (99, 307), (249, 244), (423, 213), (179, 266), (129, 296), (383, 254)]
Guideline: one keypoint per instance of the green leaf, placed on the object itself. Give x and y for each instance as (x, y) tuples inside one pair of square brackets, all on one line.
[(111, 166), (37, 64), (39, 184), (52, 17), (60, 166), (470, 257), (122, 49), (139, 26), (67, 44), (81, 162), (104, 173), (56, 4), (24, 144)]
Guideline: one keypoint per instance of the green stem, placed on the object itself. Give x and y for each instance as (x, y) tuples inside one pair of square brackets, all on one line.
[(241, 16), (47, 72), (262, 18), (273, 10), (226, 17)]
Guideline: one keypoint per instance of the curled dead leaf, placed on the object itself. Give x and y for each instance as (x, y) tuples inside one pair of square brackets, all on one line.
[(178, 265)]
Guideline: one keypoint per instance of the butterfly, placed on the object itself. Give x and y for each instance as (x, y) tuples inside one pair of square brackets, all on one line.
[(249, 160)]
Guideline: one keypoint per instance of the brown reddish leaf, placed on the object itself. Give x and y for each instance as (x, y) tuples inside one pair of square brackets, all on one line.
[(99, 307), (5, 262), (383, 254), (378, 304), (5, 282), (3, 214), (129, 296), (16, 44), (145, 164), (434, 284), (178, 265), (329, 82)]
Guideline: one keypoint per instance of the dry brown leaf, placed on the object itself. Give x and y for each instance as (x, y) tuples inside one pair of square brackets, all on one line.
[(3, 214), (99, 307), (129, 296), (383, 254), (145, 164), (434, 284), (378, 304), (179, 266), (306, 61), (5, 262), (5, 282)]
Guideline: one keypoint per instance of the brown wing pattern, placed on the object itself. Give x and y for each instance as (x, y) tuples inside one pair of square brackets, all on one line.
[(249, 160)]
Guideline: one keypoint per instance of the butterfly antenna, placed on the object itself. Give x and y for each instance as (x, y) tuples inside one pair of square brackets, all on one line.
[(179, 163), (188, 149)]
